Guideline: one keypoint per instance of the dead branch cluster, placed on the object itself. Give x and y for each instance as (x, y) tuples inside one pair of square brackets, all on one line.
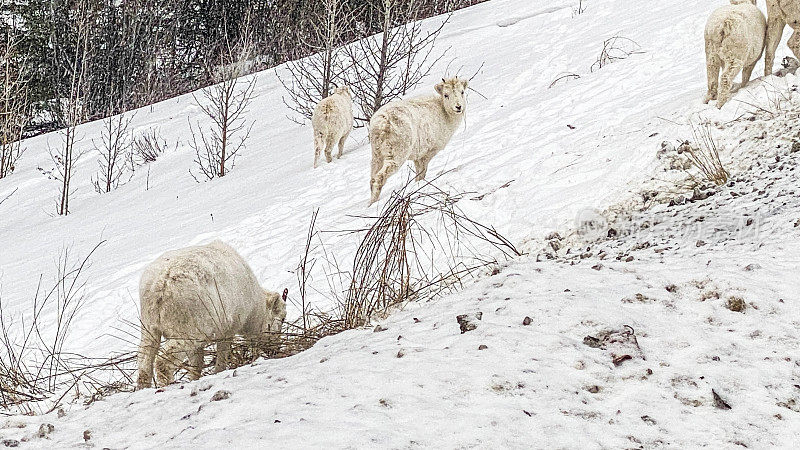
[(421, 245), (704, 156), (37, 372), (616, 48)]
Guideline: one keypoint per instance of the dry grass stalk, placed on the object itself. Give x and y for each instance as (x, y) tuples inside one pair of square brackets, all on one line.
[(704, 156)]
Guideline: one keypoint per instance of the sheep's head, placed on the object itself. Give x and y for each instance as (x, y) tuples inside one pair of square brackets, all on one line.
[(276, 310), (452, 91), (343, 90)]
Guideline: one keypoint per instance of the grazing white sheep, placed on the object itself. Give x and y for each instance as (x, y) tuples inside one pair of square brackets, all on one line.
[(197, 295), (780, 14), (415, 129), (332, 121), (734, 42)]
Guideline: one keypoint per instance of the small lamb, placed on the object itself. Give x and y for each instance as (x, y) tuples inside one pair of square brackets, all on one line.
[(197, 295), (415, 129), (332, 122), (734, 38)]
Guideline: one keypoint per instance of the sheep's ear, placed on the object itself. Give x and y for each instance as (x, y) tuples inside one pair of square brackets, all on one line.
[(439, 88), (285, 294)]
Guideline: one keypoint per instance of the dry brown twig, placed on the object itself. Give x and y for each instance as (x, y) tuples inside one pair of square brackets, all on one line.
[(616, 48)]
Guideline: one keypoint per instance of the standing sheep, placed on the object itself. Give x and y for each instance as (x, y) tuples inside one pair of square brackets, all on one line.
[(781, 13), (332, 122), (197, 295), (415, 129), (734, 42)]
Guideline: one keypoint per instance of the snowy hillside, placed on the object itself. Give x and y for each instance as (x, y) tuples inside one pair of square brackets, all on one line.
[(541, 159)]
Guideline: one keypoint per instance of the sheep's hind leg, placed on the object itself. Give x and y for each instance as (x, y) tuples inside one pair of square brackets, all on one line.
[(318, 144), (794, 43), (728, 74), (341, 145), (328, 148), (378, 180), (148, 349), (172, 355), (746, 73), (712, 71), (775, 28)]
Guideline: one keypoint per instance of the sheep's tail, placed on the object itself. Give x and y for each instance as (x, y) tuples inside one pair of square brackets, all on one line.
[(727, 27)]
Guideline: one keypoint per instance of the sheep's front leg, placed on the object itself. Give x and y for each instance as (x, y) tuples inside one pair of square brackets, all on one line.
[(422, 167), (148, 349), (196, 363), (775, 27), (223, 353)]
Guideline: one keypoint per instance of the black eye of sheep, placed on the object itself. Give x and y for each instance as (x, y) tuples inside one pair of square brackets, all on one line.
[(446, 96)]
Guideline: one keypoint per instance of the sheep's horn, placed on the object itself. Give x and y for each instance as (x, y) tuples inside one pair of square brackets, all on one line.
[(443, 81)]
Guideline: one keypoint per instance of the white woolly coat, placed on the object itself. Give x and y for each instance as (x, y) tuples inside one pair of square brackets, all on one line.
[(412, 129), (736, 32), (204, 292), (332, 119)]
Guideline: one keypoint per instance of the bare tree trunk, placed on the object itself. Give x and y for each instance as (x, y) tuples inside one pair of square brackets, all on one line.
[(311, 78), (15, 108), (225, 104), (386, 66), (72, 108)]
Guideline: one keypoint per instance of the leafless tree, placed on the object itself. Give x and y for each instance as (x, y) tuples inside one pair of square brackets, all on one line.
[(225, 104), (311, 78), (14, 101), (387, 65), (72, 106), (116, 153)]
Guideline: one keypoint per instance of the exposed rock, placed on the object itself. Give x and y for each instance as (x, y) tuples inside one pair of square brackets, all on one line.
[(469, 322), (221, 395)]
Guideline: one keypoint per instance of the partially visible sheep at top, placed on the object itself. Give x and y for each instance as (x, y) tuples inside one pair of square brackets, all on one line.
[(734, 37)]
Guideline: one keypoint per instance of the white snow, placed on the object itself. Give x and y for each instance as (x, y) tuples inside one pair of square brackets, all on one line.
[(583, 145)]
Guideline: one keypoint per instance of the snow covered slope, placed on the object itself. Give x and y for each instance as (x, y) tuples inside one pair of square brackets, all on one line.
[(584, 144)]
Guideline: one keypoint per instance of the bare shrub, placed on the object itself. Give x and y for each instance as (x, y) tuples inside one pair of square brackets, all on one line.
[(579, 9), (116, 153), (420, 245), (36, 373), (72, 105), (704, 156), (225, 104), (616, 48), (147, 147)]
